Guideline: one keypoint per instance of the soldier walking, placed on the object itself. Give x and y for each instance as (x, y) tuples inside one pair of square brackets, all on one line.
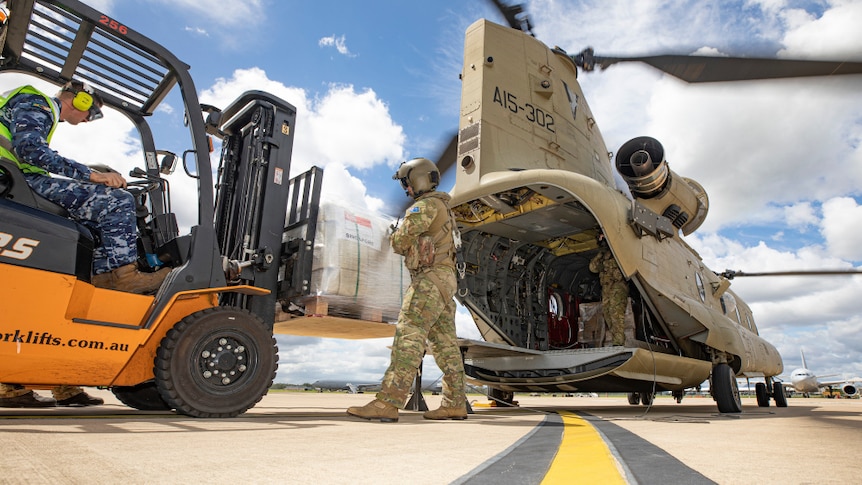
[(428, 312)]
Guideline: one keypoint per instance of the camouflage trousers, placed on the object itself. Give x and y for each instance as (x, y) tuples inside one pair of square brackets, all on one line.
[(614, 302), (107, 211), (59, 392), (427, 315)]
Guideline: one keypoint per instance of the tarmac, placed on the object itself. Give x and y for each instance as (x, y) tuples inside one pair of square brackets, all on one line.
[(306, 437)]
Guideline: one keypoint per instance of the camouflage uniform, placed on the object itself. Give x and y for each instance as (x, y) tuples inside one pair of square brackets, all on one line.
[(614, 293), (109, 212), (428, 310), (60, 392)]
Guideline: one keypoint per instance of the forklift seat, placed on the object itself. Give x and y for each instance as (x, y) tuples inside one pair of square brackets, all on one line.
[(14, 187)]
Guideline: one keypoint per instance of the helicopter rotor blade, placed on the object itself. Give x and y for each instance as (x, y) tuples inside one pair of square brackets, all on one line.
[(446, 159), (730, 274), (516, 16), (706, 69)]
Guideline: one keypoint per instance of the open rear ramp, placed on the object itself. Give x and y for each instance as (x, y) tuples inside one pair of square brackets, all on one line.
[(614, 369)]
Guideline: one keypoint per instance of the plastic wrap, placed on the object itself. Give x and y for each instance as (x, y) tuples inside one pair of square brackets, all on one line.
[(355, 273)]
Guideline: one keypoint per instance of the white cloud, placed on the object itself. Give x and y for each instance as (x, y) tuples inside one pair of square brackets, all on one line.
[(198, 31), (354, 129), (834, 35), (340, 44), (800, 215), (343, 188), (339, 130), (842, 217)]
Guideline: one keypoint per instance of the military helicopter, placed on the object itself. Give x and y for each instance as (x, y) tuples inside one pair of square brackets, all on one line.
[(534, 190)]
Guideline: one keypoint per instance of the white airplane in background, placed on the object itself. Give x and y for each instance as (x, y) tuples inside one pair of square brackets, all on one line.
[(804, 381)]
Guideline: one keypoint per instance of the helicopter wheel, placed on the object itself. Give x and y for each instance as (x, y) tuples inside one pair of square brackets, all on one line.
[(502, 398), (779, 395), (647, 398), (725, 390), (634, 398), (762, 394), (678, 395)]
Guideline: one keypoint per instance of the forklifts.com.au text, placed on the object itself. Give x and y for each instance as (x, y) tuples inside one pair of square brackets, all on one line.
[(46, 338)]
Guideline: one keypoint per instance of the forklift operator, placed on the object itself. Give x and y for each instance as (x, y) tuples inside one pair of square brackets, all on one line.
[(97, 200)]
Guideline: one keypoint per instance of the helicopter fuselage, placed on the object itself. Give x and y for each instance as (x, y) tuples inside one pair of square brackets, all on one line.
[(534, 189)]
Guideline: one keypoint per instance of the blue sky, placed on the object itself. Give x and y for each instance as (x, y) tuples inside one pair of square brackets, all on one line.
[(376, 82)]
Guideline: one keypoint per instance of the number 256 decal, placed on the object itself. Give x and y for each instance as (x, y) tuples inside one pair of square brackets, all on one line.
[(113, 24), (21, 248)]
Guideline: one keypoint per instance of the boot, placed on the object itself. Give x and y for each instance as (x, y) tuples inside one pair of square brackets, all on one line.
[(376, 409), (29, 400), (446, 412), (127, 278), (80, 400)]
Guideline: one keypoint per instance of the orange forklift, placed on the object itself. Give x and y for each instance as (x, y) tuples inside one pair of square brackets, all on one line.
[(203, 345)]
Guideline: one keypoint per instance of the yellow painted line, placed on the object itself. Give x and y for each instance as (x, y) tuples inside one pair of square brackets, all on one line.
[(583, 456)]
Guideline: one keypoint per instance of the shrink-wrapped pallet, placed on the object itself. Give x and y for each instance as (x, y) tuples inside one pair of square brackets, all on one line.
[(355, 273)]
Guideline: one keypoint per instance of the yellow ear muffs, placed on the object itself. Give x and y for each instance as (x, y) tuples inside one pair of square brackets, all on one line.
[(82, 101)]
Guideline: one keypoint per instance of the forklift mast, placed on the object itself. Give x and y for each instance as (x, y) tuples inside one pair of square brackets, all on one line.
[(251, 196)]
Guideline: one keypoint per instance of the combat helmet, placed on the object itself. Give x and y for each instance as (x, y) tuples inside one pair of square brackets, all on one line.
[(420, 173)]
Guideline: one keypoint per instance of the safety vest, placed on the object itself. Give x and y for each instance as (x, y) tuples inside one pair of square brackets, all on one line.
[(6, 145)]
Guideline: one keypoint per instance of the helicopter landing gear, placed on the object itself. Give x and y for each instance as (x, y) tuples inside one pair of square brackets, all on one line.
[(770, 389), (636, 398), (725, 390), (678, 395), (779, 395), (502, 398), (647, 398), (762, 395)]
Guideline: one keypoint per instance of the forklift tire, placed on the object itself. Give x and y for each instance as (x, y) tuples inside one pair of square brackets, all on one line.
[(216, 363), (144, 397)]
